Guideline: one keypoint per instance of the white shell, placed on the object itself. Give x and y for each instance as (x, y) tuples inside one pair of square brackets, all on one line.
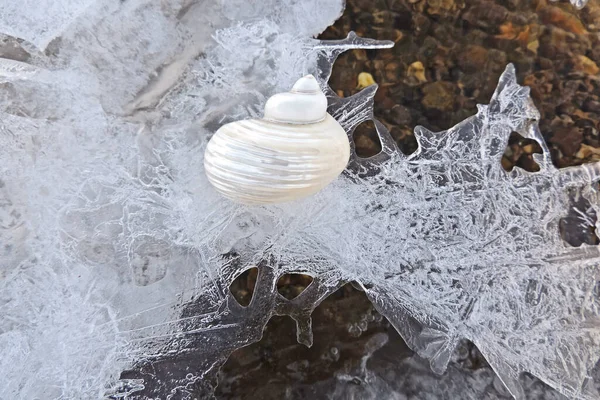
[(293, 152)]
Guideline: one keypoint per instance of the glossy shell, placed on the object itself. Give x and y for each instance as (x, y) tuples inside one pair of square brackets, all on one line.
[(295, 151)]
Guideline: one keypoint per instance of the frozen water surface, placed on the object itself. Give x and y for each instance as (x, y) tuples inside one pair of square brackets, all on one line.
[(117, 255)]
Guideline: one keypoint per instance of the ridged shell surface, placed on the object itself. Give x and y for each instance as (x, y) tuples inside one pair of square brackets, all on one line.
[(268, 161), (259, 162)]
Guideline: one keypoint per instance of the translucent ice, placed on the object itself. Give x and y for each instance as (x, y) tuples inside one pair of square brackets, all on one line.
[(39, 21), (116, 254)]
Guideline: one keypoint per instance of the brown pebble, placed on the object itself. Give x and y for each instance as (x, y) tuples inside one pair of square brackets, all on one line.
[(564, 109), (528, 149), (533, 46), (568, 139), (586, 65), (441, 7), (508, 31), (592, 105), (366, 146), (507, 164), (439, 96), (366, 140), (558, 17), (360, 54), (545, 63), (421, 24), (398, 35), (473, 58), (586, 151), (416, 71), (488, 14), (392, 71), (497, 59), (516, 152), (400, 115), (383, 17), (528, 163), (405, 139)]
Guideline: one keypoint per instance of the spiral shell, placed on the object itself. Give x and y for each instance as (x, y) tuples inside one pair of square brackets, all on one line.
[(293, 152)]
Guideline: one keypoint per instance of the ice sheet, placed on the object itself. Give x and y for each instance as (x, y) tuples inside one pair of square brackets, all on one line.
[(117, 254)]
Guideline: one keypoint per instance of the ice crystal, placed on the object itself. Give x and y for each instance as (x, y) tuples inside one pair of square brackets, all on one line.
[(117, 255)]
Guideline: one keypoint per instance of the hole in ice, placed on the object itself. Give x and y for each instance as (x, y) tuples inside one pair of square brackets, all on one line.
[(346, 328), (291, 286), (344, 74), (356, 354), (579, 225), (242, 287), (398, 118), (366, 140), (519, 153), (404, 137)]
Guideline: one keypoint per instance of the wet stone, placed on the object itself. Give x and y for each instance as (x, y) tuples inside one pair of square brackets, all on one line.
[(400, 115), (439, 96), (567, 139), (366, 141), (552, 15), (450, 53), (473, 58)]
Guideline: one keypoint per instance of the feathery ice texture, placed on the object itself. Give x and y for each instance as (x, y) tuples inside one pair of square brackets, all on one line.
[(117, 254)]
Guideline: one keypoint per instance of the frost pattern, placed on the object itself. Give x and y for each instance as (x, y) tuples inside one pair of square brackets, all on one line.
[(117, 254), (39, 21)]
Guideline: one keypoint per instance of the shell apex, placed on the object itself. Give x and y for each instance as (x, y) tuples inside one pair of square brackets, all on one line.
[(304, 104), (306, 84)]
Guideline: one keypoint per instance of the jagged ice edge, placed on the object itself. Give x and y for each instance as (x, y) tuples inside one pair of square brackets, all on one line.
[(380, 166), (440, 343)]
